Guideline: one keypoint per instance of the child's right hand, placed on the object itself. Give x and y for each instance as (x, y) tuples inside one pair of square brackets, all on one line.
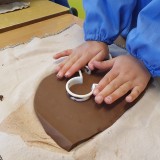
[(82, 55)]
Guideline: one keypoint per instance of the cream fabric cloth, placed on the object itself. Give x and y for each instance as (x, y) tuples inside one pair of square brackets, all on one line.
[(13, 6), (135, 136)]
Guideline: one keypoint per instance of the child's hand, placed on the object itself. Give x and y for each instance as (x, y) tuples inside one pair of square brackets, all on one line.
[(77, 58), (126, 74)]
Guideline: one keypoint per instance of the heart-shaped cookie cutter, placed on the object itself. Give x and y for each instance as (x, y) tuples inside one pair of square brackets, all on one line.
[(79, 80)]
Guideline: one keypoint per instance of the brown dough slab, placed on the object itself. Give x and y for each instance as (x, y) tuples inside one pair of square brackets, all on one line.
[(69, 122)]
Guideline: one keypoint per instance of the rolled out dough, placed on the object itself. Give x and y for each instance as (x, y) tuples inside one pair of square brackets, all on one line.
[(69, 122)]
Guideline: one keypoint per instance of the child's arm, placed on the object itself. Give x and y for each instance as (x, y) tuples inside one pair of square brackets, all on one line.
[(102, 26), (106, 19), (127, 73), (143, 42)]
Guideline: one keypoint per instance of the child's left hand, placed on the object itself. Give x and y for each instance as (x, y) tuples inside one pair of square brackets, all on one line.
[(126, 74)]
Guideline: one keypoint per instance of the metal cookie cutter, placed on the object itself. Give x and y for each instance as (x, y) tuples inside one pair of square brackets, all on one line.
[(79, 80)]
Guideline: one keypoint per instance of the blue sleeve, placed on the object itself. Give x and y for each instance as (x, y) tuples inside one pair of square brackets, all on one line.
[(106, 19), (143, 42)]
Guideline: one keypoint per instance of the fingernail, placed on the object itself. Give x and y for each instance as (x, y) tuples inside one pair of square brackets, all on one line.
[(108, 100), (129, 99), (57, 69), (67, 74), (54, 56), (91, 66), (60, 75), (99, 99), (95, 92)]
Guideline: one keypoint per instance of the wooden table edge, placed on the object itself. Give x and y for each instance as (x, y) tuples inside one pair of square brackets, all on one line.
[(40, 29)]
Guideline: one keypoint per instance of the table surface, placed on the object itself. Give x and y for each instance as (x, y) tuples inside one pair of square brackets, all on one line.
[(38, 11), (39, 29)]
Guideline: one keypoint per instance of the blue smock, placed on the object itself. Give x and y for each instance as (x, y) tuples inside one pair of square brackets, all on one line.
[(137, 20)]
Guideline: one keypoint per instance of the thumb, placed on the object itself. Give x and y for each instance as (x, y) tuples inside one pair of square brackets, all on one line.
[(104, 65), (99, 57)]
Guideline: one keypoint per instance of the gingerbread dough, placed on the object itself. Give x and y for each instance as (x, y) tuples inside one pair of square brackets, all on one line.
[(69, 122)]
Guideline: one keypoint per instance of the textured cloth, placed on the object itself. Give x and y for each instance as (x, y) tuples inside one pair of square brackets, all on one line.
[(134, 136), (13, 6), (137, 20)]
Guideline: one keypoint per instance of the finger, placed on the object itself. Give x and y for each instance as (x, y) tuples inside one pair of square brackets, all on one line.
[(104, 65), (104, 88), (59, 66), (66, 66), (76, 66), (121, 91), (62, 54), (136, 91), (107, 79), (108, 89), (99, 57), (110, 76)]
